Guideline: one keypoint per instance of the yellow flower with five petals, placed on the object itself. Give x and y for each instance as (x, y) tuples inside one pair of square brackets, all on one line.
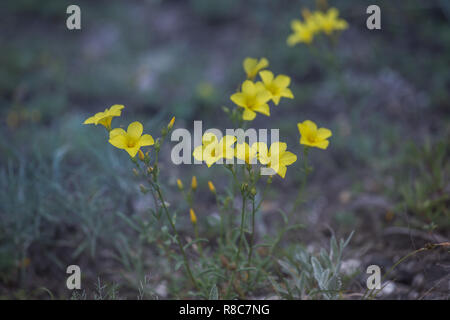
[(253, 98), (312, 136), (104, 118), (329, 21), (131, 140), (302, 32), (212, 149), (276, 158), (277, 86), (252, 66)]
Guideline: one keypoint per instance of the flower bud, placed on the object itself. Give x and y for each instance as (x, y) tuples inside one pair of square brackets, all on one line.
[(157, 145), (170, 125), (141, 155), (180, 184), (211, 187), (194, 183), (143, 189), (193, 216)]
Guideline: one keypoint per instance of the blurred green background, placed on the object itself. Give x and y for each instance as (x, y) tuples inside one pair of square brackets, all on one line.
[(385, 97)]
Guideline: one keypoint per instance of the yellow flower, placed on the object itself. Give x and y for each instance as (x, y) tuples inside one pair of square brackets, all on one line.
[(170, 125), (311, 136), (193, 216), (246, 153), (253, 98), (131, 140), (104, 118), (194, 183), (277, 158), (252, 66), (303, 32), (179, 184), (212, 150), (278, 86), (211, 187), (329, 21)]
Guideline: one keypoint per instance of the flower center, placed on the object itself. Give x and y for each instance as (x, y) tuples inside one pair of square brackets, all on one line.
[(251, 101), (131, 143), (311, 136), (274, 89)]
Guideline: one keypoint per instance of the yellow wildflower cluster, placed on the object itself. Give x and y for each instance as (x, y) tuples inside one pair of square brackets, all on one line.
[(131, 140), (315, 23), (276, 157), (255, 96)]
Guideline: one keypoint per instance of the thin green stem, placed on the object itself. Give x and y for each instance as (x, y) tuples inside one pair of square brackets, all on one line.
[(306, 171), (252, 235), (177, 236), (241, 237)]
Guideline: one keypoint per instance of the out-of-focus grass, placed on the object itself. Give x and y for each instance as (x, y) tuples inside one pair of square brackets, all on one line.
[(60, 192)]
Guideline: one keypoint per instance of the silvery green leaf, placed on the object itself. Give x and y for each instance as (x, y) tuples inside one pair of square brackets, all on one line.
[(214, 293)]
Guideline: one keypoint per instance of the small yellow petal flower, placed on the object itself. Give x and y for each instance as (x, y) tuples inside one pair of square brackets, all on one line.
[(131, 140), (211, 187), (193, 216), (278, 86), (329, 21), (180, 184), (104, 118), (276, 158), (194, 183), (253, 98), (213, 150), (252, 66), (302, 32), (312, 136)]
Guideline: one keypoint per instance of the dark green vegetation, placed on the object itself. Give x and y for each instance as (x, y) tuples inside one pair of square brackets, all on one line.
[(65, 192)]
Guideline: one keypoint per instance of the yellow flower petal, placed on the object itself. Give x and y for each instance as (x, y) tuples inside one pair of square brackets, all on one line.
[(248, 87), (132, 151), (264, 109), (282, 81), (322, 144), (248, 115), (119, 141), (323, 133), (90, 120), (117, 132), (209, 137), (266, 76), (249, 64), (281, 171), (287, 93), (146, 140), (288, 158), (239, 99), (135, 130), (198, 153)]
